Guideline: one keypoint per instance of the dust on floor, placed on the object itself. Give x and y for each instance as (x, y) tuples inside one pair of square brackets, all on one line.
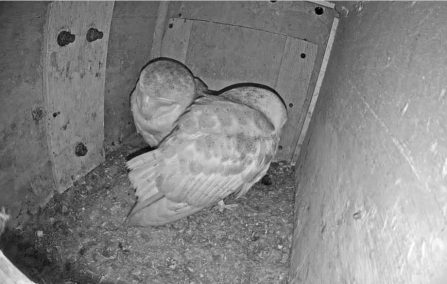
[(79, 236)]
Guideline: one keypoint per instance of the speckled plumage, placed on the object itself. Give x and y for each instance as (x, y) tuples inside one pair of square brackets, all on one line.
[(221, 145), (164, 90)]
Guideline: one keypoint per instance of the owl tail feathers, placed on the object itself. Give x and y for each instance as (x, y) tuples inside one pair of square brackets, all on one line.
[(134, 218), (157, 212), (144, 160), (143, 173)]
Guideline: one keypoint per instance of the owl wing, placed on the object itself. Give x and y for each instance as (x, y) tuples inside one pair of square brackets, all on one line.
[(218, 148)]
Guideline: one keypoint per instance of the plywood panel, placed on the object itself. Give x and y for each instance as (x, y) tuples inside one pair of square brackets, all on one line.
[(292, 18), (159, 29), (223, 55), (316, 92), (26, 179), (74, 77), (293, 83), (176, 40), (128, 51)]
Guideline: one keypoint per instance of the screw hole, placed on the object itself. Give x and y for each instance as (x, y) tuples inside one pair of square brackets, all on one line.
[(81, 150), (319, 11), (64, 38), (93, 34), (37, 114), (170, 26), (303, 55), (279, 147), (290, 105), (179, 15)]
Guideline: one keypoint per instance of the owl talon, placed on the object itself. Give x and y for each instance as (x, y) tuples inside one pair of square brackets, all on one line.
[(222, 206)]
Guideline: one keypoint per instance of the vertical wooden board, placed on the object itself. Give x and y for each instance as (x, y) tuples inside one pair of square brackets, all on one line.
[(316, 92), (176, 40), (292, 85), (223, 54), (74, 77), (128, 51), (159, 29)]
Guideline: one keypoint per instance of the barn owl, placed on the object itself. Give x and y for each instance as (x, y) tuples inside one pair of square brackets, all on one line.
[(163, 92), (220, 145)]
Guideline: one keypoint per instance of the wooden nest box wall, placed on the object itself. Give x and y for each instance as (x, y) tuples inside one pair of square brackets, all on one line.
[(83, 75), (74, 71), (70, 99), (68, 71), (281, 45), (371, 195)]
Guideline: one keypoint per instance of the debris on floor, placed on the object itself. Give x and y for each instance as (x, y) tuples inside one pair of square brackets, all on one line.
[(79, 237)]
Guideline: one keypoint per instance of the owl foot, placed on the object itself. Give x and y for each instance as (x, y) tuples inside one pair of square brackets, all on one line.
[(222, 206)]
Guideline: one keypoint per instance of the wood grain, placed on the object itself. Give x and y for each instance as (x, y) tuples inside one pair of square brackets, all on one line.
[(159, 29), (176, 39), (293, 84), (74, 77), (129, 46), (316, 92), (223, 55), (292, 18)]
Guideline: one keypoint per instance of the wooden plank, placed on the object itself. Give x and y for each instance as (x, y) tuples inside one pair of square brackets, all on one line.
[(159, 29), (74, 77), (326, 4), (223, 55), (316, 92), (129, 46), (293, 82), (291, 18), (25, 167), (176, 39), (292, 85)]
